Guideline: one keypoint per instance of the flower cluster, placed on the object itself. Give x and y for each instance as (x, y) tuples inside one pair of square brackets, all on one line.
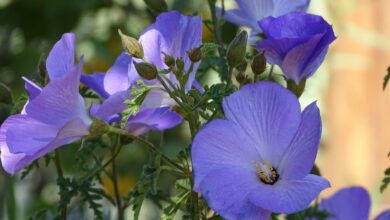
[(253, 149)]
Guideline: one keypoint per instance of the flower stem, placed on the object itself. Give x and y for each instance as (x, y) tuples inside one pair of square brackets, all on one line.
[(60, 173), (148, 144), (114, 179), (193, 121)]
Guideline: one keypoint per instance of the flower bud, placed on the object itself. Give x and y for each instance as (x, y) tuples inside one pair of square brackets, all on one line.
[(146, 70), (157, 5), (259, 64), (5, 94), (131, 46), (98, 127), (237, 49), (168, 60), (180, 64), (296, 89), (195, 54), (242, 67)]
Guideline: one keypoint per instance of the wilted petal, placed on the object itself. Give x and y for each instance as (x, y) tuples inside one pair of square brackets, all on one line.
[(261, 111), (352, 203), (61, 57), (95, 82), (299, 158), (220, 144), (288, 196), (153, 119), (116, 78)]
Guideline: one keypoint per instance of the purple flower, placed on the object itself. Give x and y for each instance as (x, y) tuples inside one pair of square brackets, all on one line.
[(250, 11), (54, 116), (173, 34), (258, 159), (350, 203), (296, 42)]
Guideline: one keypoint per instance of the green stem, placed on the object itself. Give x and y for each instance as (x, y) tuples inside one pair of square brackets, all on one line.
[(148, 144), (270, 72), (229, 76), (217, 32), (192, 121), (118, 198), (170, 93), (60, 173)]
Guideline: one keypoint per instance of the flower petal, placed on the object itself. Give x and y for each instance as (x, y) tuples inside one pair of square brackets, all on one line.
[(33, 89), (269, 114), (153, 119), (14, 162), (112, 106), (288, 196), (226, 191), (59, 101), (157, 98), (117, 78), (61, 57), (352, 203), (95, 82), (299, 158), (282, 7), (384, 215), (221, 144)]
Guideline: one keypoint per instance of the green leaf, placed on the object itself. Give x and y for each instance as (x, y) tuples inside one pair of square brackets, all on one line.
[(170, 210), (386, 79), (208, 48), (19, 103)]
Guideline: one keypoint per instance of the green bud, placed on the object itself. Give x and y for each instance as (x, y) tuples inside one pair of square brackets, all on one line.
[(237, 49), (259, 64), (240, 77), (195, 54), (296, 89), (242, 67), (180, 64), (5, 94), (98, 127), (157, 5), (168, 60), (146, 70), (131, 45)]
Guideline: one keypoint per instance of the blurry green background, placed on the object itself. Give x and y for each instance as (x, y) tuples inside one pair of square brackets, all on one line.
[(348, 87)]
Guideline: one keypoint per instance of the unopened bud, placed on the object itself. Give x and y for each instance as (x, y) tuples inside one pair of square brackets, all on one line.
[(146, 70), (157, 5), (180, 64), (296, 89), (168, 60), (195, 54), (98, 127), (237, 49), (242, 67), (259, 64), (5, 94), (131, 46), (240, 77)]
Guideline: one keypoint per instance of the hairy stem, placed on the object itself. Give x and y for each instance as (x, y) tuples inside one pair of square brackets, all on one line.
[(60, 173)]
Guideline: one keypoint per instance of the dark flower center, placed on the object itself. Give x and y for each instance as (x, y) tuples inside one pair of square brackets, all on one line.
[(267, 173)]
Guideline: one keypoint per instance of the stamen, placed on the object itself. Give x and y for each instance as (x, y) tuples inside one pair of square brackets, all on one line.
[(266, 173)]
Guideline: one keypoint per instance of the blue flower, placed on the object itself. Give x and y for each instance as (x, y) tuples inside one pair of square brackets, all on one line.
[(350, 203), (53, 116), (296, 42), (258, 159), (172, 34), (251, 11)]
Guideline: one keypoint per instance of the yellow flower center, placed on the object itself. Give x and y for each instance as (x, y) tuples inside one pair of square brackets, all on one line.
[(266, 173)]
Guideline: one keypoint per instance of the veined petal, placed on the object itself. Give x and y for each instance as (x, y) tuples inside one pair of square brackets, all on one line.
[(153, 119), (288, 196), (14, 162), (299, 158), (227, 190), (116, 78), (112, 106), (221, 144), (95, 82), (61, 57), (59, 101), (260, 110), (352, 203)]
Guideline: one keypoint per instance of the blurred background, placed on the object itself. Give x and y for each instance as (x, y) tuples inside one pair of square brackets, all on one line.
[(348, 86)]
